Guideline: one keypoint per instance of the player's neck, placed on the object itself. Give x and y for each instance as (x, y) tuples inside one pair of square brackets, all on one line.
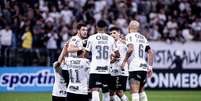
[(101, 32), (133, 31), (121, 41), (117, 39), (79, 36)]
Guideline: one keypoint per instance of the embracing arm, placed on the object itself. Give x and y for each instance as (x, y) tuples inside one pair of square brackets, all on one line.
[(150, 60), (73, 48), (128, 54)]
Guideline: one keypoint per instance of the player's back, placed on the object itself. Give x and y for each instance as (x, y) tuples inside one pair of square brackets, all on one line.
[(137, 60), (59, 87), (101, 45), (78, 69)]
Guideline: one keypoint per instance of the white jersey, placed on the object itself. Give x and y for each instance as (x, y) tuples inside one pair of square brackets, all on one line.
[(101, 45), (59, 87), (78, 69), (116, 66), (77, 42), (137, 61)]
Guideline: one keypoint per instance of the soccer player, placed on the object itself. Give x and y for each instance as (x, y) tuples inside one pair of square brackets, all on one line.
[(78, 69), (139, 68), (59, 91), (71, 47), (101, 46), (76, 42), (118, 75)]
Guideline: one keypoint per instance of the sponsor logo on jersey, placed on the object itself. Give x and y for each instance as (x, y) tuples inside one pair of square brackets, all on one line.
[(144, 66), (102, 68), (75, 61), (74, 88), (62, 92)]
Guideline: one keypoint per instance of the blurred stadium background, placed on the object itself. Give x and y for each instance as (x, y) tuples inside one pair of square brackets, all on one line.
[(32, 33)]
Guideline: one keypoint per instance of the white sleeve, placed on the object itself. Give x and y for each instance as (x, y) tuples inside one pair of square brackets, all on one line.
[(146, 42), (89, 44), (114, 45), (77, 43), (65, 65), (128, 40)]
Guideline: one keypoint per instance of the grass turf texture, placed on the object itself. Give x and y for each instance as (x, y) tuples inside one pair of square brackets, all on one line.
[(152, 96)]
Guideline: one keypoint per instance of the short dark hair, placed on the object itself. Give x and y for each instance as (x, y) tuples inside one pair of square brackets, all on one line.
[(101, 24), (79, 52), (114, 28), (81, 25)]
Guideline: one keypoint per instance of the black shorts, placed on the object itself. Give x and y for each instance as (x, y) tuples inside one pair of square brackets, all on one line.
[(139, 76), (118, 83), (77, 97), (99, 80), (65, 75), (56, 98)]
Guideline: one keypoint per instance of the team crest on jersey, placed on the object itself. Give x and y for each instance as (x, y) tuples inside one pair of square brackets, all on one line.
[(73, 39), (98, 37)]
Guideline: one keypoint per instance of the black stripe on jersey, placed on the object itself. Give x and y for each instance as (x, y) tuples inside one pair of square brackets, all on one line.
[(147, 48)]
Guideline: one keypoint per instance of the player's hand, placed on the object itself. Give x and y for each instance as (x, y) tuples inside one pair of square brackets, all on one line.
[(56, 64), (149, 71), (123, 65), (57, 67), (84, 42)]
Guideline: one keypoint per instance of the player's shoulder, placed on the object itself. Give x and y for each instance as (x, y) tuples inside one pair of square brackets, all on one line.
[(129, 35), (92, 37), (140, 35), (75, 38), (69, 58), (110, 37), (84, 60)]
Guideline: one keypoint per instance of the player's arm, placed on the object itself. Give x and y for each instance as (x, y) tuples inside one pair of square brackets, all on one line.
[(88, 48), (86, 54), (115, 56), (57, 67), (150, 60), (74, 46), (63, 53), (128, 54), (130, 49)]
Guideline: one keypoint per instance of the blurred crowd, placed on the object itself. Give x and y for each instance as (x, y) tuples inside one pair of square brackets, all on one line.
[(49, 23)]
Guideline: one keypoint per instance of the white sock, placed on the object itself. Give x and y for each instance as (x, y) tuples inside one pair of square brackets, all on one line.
[(135, 97), (106, 96), (124, 98), (115, 98), (95, 96), (143, 96)]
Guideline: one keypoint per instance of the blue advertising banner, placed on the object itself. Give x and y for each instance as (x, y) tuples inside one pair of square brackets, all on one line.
[(41, 79), (26, 79)]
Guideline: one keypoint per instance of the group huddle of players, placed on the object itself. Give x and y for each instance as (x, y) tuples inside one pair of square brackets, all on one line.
[(103, 63)]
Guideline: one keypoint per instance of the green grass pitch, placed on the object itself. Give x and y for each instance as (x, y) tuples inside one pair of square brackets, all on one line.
[(152, 96)]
